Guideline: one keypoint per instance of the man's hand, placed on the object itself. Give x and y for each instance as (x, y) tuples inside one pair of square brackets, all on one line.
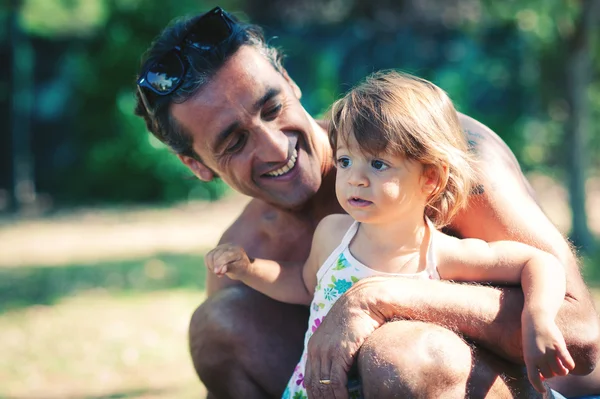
[(334, 345), (544, 350), (227, 259)]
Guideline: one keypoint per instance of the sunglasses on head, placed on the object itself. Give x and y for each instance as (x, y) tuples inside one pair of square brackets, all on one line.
[(166, 74)]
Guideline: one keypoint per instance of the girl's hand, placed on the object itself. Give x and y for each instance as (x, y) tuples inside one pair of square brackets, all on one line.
[(544, 350), (227, 259)]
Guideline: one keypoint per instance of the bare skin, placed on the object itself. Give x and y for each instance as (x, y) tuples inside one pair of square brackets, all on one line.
[(279, 225)]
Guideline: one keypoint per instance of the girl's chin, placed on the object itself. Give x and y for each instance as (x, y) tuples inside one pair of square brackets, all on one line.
[(361, 217)]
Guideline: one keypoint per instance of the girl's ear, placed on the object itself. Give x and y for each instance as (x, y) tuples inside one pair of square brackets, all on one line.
[(434, 179)]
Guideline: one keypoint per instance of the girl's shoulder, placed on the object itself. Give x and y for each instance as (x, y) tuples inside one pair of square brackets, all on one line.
[(331, 231), (334, 226)]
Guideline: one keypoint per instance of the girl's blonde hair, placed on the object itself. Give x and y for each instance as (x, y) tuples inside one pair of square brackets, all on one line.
[(399, 114)]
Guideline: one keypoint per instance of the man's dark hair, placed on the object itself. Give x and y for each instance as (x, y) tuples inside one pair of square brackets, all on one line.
[(200, 68)]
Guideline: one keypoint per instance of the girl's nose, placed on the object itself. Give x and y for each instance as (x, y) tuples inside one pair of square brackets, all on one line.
[(357, 178)]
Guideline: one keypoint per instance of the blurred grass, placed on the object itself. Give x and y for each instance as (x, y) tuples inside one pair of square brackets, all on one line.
[(100, 344), (95, 303), (42, 285), (106, 330)]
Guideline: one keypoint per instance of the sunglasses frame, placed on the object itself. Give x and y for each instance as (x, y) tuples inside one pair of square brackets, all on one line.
[(142, 82)]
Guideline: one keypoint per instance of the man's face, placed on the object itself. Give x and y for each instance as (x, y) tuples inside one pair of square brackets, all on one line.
[(249, 127)]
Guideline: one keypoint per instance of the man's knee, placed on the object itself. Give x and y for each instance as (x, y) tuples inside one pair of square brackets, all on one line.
[(212, 330), (241, 340), (414, 359)]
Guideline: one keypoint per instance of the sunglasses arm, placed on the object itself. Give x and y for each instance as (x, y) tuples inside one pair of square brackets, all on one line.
[(145, 101)]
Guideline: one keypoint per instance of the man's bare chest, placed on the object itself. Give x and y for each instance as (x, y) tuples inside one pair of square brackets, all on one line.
[(289, 237)]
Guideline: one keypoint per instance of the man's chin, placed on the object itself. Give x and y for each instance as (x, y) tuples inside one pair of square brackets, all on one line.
[(288, 204), (291, 201)]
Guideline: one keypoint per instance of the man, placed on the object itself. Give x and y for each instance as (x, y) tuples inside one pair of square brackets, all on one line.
[(213, 91)]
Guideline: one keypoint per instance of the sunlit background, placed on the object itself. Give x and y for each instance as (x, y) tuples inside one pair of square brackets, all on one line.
[(102, 230)]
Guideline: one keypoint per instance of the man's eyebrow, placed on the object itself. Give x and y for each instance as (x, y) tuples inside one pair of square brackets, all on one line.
[(271, 92), (223, 134)]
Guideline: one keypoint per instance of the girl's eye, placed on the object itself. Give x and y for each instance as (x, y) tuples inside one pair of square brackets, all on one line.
[(378, 165), (236, 144), (344, 162)]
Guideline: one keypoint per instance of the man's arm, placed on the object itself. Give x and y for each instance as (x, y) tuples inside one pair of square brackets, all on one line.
[(540, 274), (503, 208)]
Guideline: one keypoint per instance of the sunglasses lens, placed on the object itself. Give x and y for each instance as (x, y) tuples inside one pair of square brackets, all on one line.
[(164, 76), (209, 30)]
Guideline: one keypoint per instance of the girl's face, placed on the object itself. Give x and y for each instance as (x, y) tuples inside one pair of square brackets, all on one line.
[(378, 189)]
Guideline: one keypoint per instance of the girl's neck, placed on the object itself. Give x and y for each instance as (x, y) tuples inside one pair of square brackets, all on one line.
[(399, 236)]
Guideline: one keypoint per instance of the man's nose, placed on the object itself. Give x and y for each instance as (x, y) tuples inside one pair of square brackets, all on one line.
[(273, 145)]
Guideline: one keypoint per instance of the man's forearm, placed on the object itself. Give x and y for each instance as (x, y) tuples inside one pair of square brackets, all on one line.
[(486, 315)]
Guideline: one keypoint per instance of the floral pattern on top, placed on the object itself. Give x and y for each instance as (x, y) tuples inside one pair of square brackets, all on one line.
[(335, 278)]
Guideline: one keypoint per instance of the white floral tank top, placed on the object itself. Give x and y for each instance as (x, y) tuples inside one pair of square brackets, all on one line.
[(337, 274)]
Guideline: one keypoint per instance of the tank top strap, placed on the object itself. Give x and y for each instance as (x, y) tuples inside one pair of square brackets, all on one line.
[(332, 258), (349, 235)]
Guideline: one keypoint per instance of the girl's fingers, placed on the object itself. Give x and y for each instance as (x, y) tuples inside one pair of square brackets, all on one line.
[(545, 370), (536, 380), (565, 357), (557, 367)]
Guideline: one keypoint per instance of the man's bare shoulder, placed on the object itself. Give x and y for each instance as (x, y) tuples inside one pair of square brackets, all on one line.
[(266, 231), (502, 205), (485, 142)]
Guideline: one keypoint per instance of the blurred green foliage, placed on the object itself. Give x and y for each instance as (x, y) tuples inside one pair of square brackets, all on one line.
[(501, 61), (108, 155)]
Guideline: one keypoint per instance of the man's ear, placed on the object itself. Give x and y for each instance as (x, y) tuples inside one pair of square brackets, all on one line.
[(295, 88), (198, 168)]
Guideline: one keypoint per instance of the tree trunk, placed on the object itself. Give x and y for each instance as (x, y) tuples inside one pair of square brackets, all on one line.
[(23, 190), (578, 78)]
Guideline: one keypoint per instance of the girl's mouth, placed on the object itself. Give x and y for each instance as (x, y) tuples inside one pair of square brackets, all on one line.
[(358, 202)]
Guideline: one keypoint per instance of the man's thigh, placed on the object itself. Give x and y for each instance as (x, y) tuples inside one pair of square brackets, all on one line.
[(425, 360), (241, 341), (578, 385)]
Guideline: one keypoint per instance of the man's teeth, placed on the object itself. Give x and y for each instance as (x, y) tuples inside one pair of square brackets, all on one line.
[(287, 166)]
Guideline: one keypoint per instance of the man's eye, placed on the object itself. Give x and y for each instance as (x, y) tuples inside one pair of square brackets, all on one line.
[(344, 162), (272, 112), (378, 165), (237, 143)]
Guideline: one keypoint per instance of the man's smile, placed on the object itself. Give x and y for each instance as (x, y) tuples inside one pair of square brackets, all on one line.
[(285, 168)]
